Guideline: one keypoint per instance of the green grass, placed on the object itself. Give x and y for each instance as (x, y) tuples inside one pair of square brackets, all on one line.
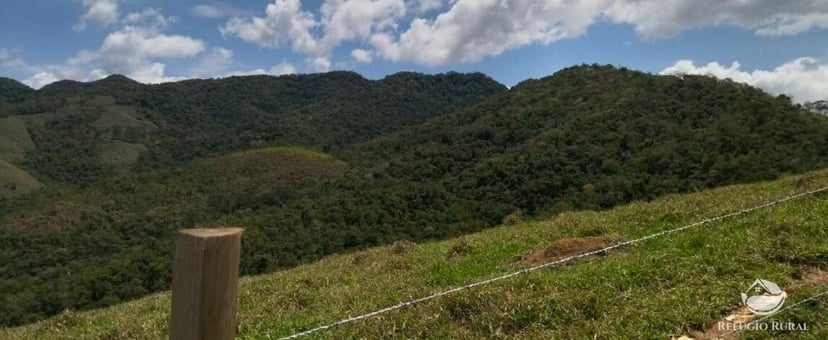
[(119, 153), (14, 181), (659, 288), (263, 168), (292, 150), (117, 115), (14, 139)]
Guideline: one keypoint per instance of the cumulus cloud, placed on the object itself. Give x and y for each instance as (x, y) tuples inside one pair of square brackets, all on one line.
[(40, 79), (470, 30), (132, 51), (137, 43), (99, 12), (320, 64), (655, 18), (217, 61), (282, 68), (284, 21), (805, 79), (150, 19), (357, 19), (277, 70), (135, 49), (363, 56), (793, 25)]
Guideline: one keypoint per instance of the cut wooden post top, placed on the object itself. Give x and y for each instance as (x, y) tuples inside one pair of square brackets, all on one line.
[(212, 232)]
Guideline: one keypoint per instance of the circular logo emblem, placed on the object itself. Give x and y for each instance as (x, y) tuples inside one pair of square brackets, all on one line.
[(766, 297)]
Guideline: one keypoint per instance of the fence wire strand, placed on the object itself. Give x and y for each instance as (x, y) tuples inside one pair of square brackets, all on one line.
[(552, 263)]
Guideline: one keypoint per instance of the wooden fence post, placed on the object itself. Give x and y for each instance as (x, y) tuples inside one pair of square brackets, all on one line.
[(205, 284)]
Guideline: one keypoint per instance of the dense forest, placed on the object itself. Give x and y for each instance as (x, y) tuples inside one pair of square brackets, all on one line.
[(317, 164)]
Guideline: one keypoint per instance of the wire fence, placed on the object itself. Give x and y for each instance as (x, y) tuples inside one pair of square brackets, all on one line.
[(552, 263)]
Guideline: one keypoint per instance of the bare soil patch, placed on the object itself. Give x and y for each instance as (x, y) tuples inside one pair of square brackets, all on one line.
[(567, 247)]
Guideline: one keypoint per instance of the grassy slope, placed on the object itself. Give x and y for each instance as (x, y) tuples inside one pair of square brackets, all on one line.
[(14, 139), (14, 181), (119, 153), (662, 287), (291, 150)]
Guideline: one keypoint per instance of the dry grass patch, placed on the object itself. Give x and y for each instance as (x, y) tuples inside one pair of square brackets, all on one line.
[(568, 247)]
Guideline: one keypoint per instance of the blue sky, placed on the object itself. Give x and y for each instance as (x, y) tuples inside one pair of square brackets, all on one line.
[(779, 46)]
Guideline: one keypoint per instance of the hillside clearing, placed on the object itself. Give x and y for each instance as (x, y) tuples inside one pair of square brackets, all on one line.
[(14, 181), (14, 139)]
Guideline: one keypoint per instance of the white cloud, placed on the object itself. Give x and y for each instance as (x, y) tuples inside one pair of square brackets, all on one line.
[(657, 18), (208, 11), (277, 70), (284, 22), (216, 10), (255, 72), (151, 73), (795, 25), (357, 20), (99, 12), (132, 50), (282, 68), (150, 19), (320, 64), (137, 43), (136, 49), (473, 29), (40, 79), (470, 30), (363, 56), (805, 79), (216, 62)]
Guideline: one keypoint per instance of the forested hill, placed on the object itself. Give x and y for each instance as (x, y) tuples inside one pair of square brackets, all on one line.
[(13, 90), (77, 127), (592, 137), (112, 168)]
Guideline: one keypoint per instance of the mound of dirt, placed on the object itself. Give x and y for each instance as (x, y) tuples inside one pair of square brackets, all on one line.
[(568, 247)]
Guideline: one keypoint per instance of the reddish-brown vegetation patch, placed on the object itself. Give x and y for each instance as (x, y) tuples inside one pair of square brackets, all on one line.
[(568, 247)]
